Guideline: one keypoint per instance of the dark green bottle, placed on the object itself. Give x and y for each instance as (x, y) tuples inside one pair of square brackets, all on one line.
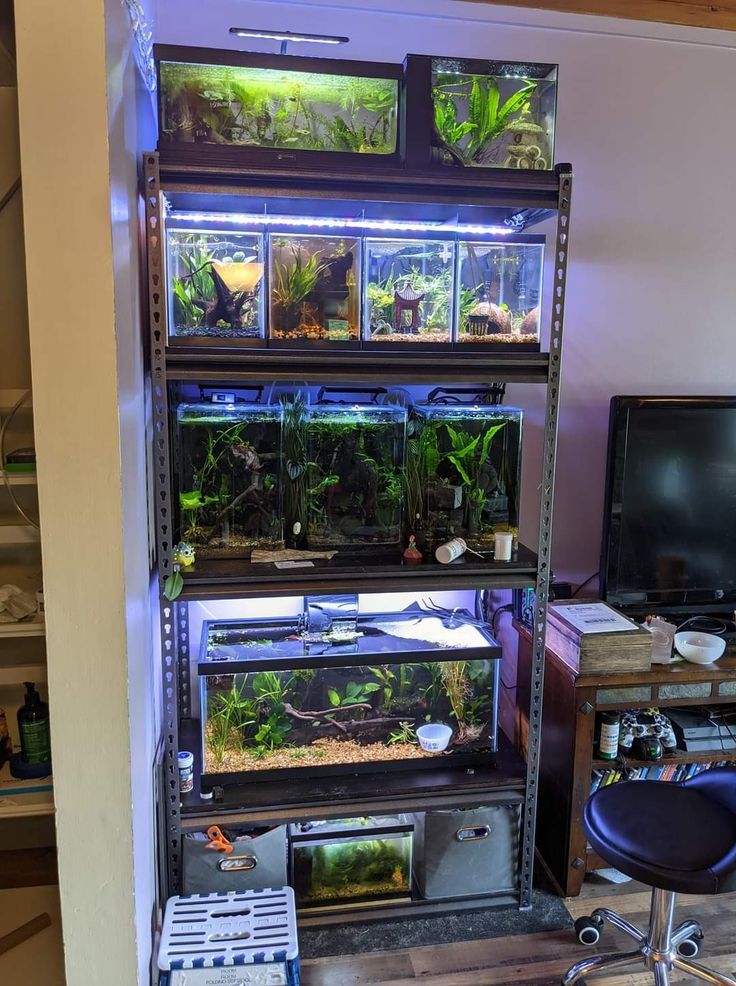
[(33, 726)]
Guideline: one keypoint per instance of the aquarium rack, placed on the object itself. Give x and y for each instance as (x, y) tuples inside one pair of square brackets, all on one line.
[(519, 199)]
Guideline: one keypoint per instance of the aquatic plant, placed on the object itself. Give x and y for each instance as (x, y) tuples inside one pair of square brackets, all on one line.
[(294, 451), (487, 117), (230, 713), (356, 693), (197, 283), (406, 733)]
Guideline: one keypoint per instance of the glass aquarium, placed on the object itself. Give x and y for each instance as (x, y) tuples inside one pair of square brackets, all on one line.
[(499, 293), (227, 477), (215, 284), (391, 690), (493, 114), (463, 472), (351, 860), (293, 106), (314, 289), (353, 480), (409, 291)]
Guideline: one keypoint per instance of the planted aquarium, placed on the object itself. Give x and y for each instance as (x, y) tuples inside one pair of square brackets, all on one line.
[(314, 289), (409, 291), (499, 293), (227, 491), (494, 114), (351, 860), (354, 478), (388, 690), (287, 103), (463, 472), (215, 284)]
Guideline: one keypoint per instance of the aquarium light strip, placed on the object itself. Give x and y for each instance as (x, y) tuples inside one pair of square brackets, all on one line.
[(289, 36), (309, 222)]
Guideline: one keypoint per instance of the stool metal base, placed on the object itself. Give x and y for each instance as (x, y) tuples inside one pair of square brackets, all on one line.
[(656, 949)]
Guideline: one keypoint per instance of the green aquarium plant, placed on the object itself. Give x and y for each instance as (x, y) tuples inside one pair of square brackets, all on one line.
[(294, 453)]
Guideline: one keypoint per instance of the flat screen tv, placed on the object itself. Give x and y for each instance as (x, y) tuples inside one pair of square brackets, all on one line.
[(669, 529)]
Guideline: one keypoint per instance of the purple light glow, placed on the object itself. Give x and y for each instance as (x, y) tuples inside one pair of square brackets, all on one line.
[(311, 222)]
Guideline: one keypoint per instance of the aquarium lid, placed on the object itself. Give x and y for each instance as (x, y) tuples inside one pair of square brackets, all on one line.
[(539, 71), (408, 637), (217, 410), (459, 412), (352, 829)]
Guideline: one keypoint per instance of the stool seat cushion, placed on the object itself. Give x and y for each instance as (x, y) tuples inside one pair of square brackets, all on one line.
[(666, 835)]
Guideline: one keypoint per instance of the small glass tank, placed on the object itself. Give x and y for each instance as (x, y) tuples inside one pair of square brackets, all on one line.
[(290, 108), (499, 293), (409, 292), (351, 860), (215, 284), (346, 692), (463, 472), (227, 490), (492, 114), (314, 289), (354, 488)]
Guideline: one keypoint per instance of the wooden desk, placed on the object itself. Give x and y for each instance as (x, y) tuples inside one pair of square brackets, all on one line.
[(571, 701)]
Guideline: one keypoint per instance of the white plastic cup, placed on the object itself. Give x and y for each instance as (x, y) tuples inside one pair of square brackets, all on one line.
[(450, 551), (434, 737), (502, 544)]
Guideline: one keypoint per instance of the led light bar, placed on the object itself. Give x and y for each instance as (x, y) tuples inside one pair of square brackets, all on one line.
[(312, 222), (289, 37)]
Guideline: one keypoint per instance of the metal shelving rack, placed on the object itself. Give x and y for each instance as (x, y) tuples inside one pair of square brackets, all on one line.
[(521, 198)]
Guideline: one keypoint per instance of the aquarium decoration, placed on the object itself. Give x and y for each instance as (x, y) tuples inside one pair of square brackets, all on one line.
[(314, 289), (350, 860), (354, 479), (463, 471), (491, 114), (279, 103), (227, 480), (215, 280), (409, 292), (499, 292), (331, 690)]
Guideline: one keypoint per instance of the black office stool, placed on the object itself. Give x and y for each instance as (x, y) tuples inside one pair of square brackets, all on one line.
[(676, 838)]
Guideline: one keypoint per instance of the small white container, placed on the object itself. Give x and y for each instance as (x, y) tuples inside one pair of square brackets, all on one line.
[(699, 648), (185, 761), (450, 551), (503, 542), (434, 737)]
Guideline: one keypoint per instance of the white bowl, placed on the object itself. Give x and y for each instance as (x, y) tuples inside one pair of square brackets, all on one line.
[(699, 648), (434, 737)]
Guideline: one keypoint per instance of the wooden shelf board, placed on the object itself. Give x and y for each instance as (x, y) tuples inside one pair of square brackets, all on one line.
[(681, 756), (26, 628), (17, 478)]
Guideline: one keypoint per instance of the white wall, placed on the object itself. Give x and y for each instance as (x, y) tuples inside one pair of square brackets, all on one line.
[(645, 115)]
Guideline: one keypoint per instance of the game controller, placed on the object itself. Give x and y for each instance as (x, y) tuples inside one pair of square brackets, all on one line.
[(643, 724)]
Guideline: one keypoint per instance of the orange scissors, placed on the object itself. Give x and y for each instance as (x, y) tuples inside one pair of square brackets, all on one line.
[(218, 840)]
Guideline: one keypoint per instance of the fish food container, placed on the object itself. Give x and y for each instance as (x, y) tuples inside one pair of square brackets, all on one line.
[(242, 938), (258, 859), (351, 860), (467, 852)]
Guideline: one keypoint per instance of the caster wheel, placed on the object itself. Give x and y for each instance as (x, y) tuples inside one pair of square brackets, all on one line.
[(689, 948), (588, 931)]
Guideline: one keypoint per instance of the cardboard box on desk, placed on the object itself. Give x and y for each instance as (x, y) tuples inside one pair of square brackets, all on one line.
[(593, 638)]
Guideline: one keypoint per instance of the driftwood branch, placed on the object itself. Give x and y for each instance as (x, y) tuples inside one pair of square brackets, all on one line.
[(316, 716)]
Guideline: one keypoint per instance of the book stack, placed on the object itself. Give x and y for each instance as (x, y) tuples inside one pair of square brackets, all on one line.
[(656, 772)]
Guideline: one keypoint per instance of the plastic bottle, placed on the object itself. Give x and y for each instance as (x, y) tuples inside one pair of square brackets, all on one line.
[(33, 726), (608, 741), (186, 771)]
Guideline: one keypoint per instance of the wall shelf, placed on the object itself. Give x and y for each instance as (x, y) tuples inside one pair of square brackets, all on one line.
[(26, 628), (17, 478), (21, 799)]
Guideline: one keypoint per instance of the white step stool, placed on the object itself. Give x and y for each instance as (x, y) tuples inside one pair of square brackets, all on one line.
[(243, 938)]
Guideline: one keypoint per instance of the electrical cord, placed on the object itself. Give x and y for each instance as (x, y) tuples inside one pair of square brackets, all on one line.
[(583, 584), (3, 430)]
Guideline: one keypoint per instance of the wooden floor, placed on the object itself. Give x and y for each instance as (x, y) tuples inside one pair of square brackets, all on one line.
[(538, 959)]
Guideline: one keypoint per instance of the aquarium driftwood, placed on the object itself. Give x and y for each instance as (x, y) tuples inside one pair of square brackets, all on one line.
[(290, 554)]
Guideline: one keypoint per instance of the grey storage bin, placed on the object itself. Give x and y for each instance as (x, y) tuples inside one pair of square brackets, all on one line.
[(253, 864), (467, 852)]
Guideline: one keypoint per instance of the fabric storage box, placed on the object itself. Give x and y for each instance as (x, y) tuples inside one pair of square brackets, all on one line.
[(467, 852), (259, 859)]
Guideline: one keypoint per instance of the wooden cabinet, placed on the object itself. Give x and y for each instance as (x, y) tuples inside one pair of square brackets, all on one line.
[(570, 703)]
